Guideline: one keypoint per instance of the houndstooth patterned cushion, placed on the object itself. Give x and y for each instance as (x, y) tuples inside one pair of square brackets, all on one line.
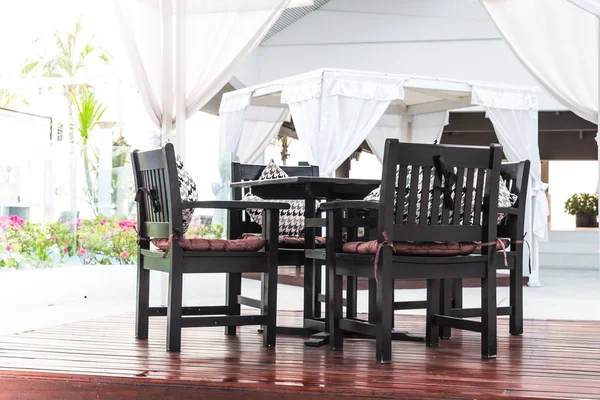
[(187, 190), (291, 221), (505, 198)]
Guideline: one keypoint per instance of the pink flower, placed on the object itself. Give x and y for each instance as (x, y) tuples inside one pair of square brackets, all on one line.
[(8, 248), (65, 249), (11, 221), (83, 252), (53, 238), (125, 224), (103, 222), (124, 255)]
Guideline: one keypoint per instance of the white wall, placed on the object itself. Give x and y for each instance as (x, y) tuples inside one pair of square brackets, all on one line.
[(444, 38)]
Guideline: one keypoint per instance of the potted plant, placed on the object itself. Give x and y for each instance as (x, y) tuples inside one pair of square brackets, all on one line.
[(584, 206)]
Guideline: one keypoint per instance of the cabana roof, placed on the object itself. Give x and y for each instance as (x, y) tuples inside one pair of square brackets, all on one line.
[(420, 94)]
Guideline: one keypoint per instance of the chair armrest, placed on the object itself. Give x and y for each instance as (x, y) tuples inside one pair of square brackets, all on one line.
[(235, 204), (345, 204), (509, 211)]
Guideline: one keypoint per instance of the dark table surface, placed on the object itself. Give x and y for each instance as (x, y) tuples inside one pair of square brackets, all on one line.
[(297, 187)]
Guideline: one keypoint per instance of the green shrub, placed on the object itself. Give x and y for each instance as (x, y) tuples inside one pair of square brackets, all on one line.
[(101, 240), (582, 203)]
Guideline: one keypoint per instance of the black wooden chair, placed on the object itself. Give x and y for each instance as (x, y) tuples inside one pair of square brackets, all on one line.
[(160, 218), (454, 237), (512, 230), (240, 223)]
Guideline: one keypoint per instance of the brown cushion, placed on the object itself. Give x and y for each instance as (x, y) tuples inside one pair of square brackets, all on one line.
[(253, 243), (414, 249), (297, 242)]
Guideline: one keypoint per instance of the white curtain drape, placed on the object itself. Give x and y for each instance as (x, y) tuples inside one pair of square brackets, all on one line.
[(515, 121), (260, 128), (558, 43), (389, 126), (592, 6), (245, 131), (425, 128), (429, 127), (183, 52), (335, 114)]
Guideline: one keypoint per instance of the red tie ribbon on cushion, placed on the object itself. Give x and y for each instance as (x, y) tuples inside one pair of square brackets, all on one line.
[(177, 235), (386, 243), (172, 236)]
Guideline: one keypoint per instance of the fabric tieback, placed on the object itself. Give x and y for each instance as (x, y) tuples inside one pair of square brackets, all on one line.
[(173, 236), (386, 243), (448, 181), (152, 195), (140, 238), (499, 243)]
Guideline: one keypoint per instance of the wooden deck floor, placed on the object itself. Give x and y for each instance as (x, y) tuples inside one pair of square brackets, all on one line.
[(101, 359)]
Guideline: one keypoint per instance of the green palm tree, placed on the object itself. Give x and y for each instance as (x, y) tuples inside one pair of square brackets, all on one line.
[(90, 110), (6, 97), (67, 58)]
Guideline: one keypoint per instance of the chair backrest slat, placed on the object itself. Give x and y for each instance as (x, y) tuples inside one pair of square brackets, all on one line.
[(425, 201), (453, 226), (400, 189), (156, 171), (478, 195), (435, 202), (459, 196), (469, 196), (414, 191)]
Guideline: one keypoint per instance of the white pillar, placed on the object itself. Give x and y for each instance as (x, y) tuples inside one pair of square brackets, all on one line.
[(180, 78), (167, 67), (167, 95)]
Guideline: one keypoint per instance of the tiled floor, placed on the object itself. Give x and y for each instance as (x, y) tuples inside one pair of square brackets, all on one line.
[(37, 300)]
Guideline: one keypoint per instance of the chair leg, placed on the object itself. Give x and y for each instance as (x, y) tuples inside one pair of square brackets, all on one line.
[(432, 335), (269, 279), (457, 293), (445, 305), (351, 296), (233, 289), (142, 301), (318, 279), (335, 303), (174, 311), (310, 294), (372, 301), (385, 318), (269, 301), (516, 300), (488, 316)]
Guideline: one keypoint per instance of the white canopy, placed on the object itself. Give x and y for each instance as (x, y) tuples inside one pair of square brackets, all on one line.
[(334, 111), (183, 52), (558, 42)]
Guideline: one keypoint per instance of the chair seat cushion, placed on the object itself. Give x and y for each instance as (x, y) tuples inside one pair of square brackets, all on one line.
[(414, 249), (253, 243), (297, 242)]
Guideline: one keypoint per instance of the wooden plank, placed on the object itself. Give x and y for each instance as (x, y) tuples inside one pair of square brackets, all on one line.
[(102, 359)]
